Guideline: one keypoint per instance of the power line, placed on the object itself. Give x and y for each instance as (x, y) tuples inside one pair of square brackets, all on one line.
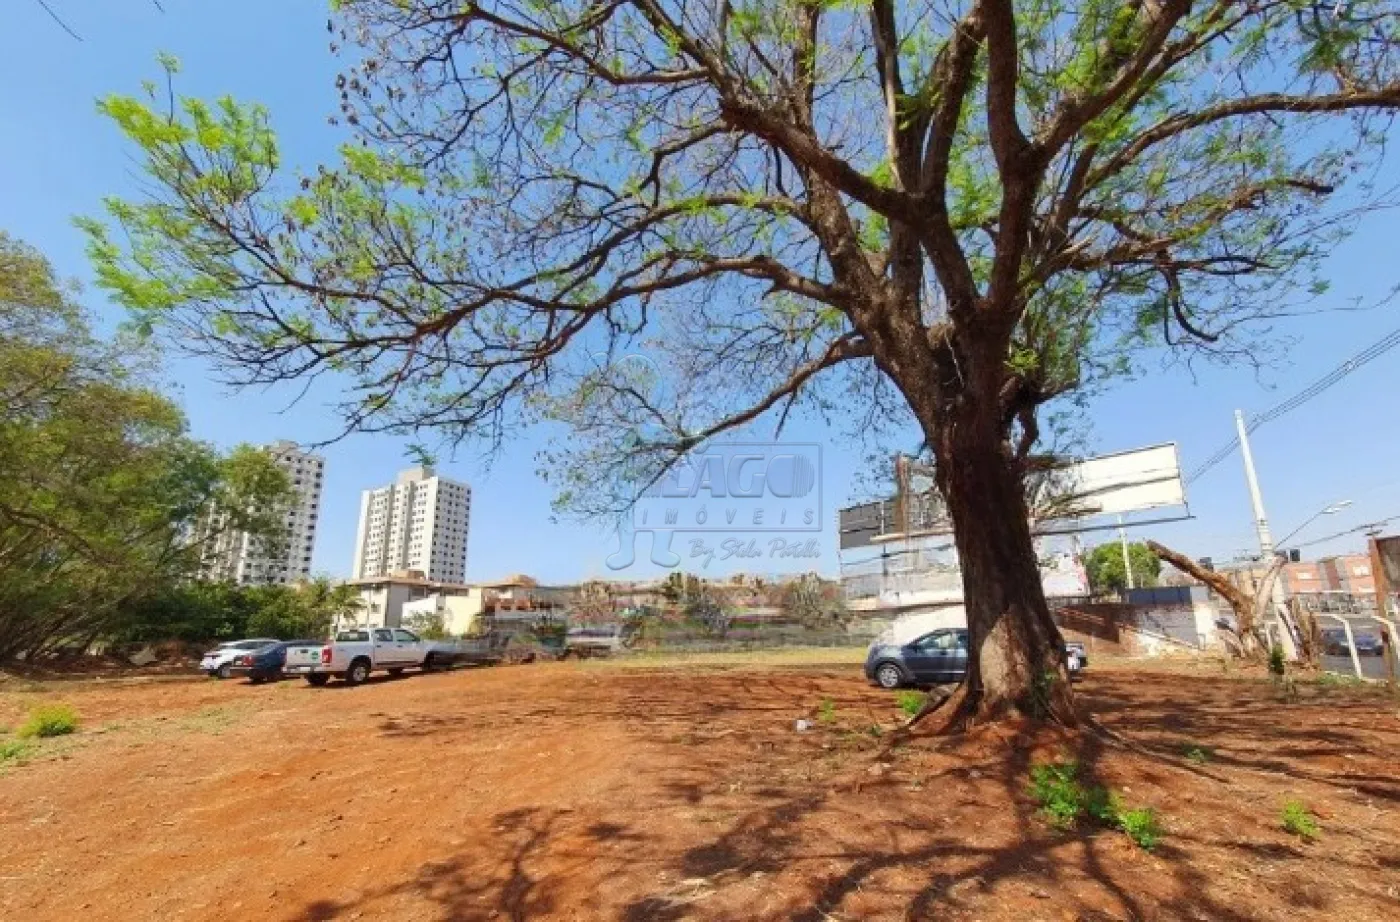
[(1368, 526), (1370, 353)]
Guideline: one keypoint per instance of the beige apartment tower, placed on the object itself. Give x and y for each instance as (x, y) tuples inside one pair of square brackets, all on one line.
[(239, 558), (419, 522)]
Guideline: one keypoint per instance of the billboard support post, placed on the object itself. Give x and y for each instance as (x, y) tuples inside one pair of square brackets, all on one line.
[(1127, 561)]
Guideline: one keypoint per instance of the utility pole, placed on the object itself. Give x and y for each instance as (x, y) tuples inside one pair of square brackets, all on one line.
[(1127, 561), (1266, 539), (1261, 523)]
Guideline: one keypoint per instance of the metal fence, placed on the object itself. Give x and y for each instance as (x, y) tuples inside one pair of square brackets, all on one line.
[(1351, 639)]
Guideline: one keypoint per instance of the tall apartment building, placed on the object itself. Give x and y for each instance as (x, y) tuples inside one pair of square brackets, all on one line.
[(238, 557), (417, 523)]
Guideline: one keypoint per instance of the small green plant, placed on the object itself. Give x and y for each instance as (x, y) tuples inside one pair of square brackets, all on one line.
[(1055, 787), (1337, 678), (1142, 826), (826, 711), (910, 702), (49, 720), (13, 750), (875, 730), (1276, 663), (1063, 800), (1198, 755), (1103, 805), (1298, 820)]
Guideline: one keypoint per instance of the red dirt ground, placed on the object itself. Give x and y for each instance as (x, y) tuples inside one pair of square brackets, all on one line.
[(592, 793)]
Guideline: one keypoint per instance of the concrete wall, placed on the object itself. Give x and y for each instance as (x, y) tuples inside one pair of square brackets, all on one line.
[(1146, 629)]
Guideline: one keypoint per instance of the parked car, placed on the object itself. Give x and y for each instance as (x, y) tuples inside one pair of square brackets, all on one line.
[(595, 640), (483, 649), (218, 662), (1076, 658), (355, 653), (1334, 643), (266, 664), (936, 658)]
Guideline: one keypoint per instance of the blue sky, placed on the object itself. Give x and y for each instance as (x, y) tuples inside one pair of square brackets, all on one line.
[(60, 158)]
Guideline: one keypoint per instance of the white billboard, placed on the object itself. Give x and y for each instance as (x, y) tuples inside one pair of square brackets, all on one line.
[(1126, 481)]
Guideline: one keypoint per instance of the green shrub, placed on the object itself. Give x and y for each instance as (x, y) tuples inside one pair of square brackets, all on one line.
[(49, 720), (1298, 820), (826, 711), (1063, 800), (1142, 826), (1276, 664), (13, 750), (910, 702), (1198, 755)]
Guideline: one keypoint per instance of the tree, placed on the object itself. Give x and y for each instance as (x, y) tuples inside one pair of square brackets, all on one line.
[(593, 604), (814, 602), (948, 214), (305, 610), (101, 489), (1107, 574), (1250, 608)]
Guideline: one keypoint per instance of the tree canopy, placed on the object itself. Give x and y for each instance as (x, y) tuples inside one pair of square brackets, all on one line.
[(101, 488), (947, 213), (1107, 573)]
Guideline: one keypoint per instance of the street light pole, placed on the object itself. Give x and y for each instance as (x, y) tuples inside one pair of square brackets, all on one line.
[(1338, 506)]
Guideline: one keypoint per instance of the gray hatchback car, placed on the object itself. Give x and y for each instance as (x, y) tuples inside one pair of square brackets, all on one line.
[(936, 658)]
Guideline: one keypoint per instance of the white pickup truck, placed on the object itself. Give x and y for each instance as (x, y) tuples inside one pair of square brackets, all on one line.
[(355, 653)]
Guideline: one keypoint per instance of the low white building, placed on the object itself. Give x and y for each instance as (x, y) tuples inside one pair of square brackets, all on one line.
[(459, 613), (385, 598)]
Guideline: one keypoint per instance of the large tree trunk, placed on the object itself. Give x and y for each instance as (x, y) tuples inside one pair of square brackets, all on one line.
[(1015, 661)]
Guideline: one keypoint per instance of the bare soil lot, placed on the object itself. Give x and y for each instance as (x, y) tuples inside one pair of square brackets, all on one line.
[(595, 793)]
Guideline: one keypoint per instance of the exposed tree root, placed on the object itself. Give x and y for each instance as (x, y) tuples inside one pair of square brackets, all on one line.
[(962, 709)]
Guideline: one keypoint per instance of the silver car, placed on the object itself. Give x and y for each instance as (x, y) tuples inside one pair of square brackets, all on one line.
[(218, 662)]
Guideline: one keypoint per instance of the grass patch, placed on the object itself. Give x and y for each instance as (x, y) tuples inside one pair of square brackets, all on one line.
[(13, 751), (1298, 820), (1341, 679), (1064, 801), (910, 702), (49, 720), (826, 711), (209, 720)]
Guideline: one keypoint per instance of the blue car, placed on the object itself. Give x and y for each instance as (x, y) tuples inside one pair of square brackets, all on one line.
[(936, 658), (265, 664)]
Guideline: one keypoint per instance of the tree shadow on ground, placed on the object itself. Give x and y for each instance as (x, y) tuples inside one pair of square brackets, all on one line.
[(810, 828), (464, 887)]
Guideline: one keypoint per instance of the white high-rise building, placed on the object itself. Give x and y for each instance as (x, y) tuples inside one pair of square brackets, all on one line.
[(417, 523), (238, 557)]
